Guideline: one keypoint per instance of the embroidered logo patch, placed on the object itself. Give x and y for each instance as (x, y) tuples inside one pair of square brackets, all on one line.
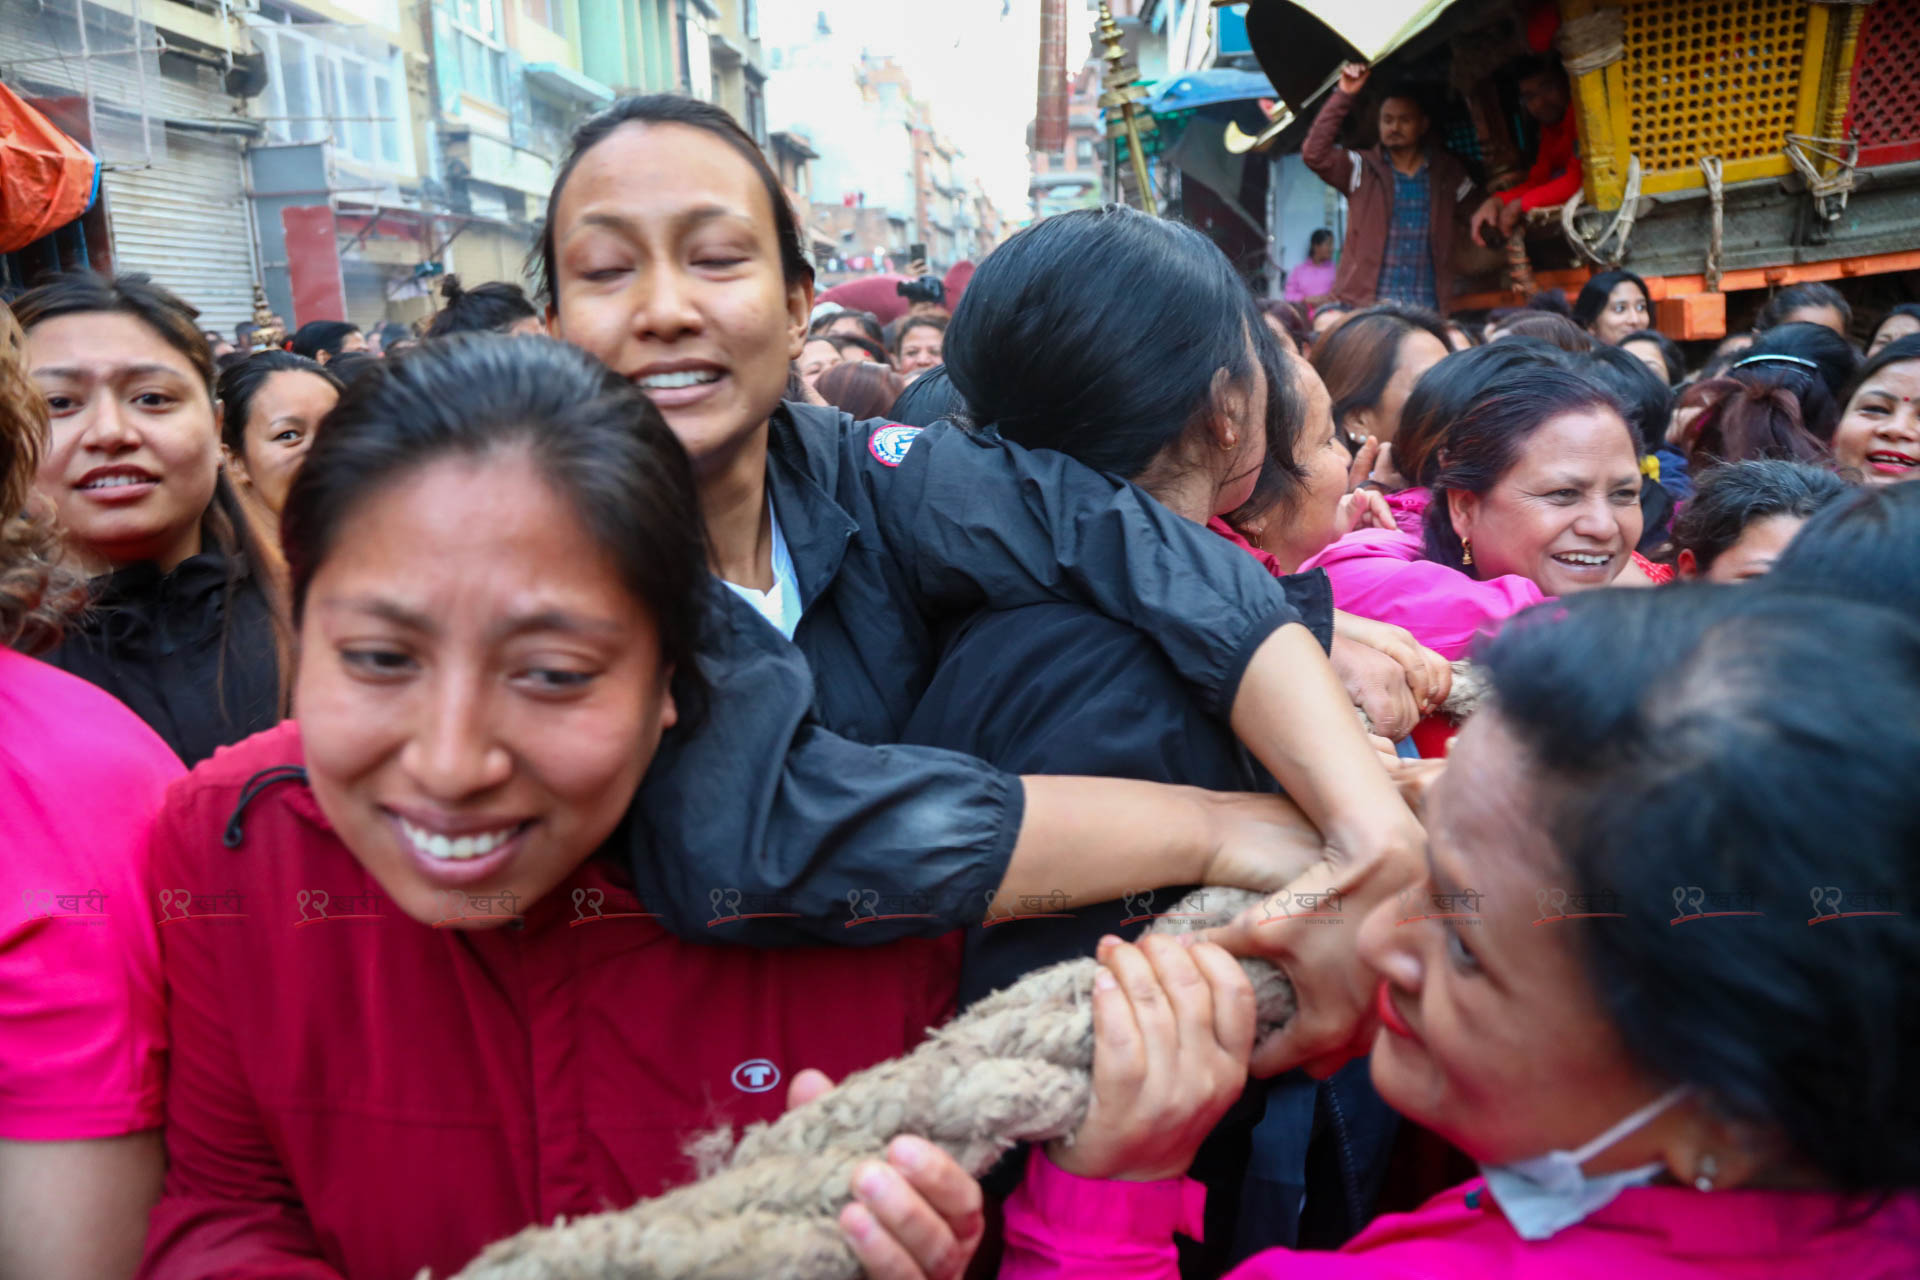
[(755, 1075), (890, 444)]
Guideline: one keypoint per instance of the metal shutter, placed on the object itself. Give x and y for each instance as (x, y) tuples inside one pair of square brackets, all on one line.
[(184, 222)]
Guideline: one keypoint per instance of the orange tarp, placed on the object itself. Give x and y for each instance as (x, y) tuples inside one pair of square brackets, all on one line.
[(46, 178)]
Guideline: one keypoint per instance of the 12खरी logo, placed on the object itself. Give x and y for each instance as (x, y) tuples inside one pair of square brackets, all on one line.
[(889, 445)]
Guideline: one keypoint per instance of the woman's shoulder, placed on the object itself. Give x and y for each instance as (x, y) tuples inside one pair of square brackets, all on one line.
[(1384, 546), (67, 727), (222, 799)]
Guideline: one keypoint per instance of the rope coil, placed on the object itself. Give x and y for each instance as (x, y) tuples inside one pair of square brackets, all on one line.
[(1590, 43), (1715, 173), (1618, 231)]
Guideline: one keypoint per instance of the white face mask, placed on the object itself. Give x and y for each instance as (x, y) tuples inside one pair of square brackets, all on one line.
[(1549, 1193)]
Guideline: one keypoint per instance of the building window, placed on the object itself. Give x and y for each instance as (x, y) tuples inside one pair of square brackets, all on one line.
[(318, 89), (551, 14), (756, 112), (1083, 152), (478, 31), (750, 18)]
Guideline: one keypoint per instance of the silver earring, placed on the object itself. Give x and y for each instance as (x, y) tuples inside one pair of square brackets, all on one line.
[(1709, 1170)]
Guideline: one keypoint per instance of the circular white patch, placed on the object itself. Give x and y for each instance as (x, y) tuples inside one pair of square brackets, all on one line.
[(756, 1075), (890, 444)]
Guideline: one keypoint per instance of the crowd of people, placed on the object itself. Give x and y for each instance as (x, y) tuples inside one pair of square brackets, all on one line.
[(444, 781)]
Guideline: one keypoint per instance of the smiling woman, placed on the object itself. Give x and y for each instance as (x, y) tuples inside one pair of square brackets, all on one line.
[(1536, 490), (671, 254), (183, 627)]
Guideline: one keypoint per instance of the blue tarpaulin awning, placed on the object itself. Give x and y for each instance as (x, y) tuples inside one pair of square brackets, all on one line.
[(1196, 89)]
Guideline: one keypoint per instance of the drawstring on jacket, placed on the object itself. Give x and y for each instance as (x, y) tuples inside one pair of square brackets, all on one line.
[(254, 788)]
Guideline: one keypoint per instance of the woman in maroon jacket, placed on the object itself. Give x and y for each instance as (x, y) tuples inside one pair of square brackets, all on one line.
[(413, 1007)]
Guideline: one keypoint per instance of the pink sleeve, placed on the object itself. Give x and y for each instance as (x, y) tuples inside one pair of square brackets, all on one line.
[(82, 1034), (1062, 1227), (1443, 608)]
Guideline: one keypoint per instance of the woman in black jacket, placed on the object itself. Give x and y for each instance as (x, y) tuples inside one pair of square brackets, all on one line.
[(670, 253), (181, 627), (1043, 358)]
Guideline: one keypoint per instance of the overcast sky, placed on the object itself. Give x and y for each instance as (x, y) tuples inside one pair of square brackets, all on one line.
[(975, 63)]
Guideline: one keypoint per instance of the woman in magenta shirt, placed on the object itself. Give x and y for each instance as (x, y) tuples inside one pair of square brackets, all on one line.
[(1655, 978), (81, 1044)]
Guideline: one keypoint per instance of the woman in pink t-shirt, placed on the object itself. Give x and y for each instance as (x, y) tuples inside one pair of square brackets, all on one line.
[(1654, 978), (81, 1041)]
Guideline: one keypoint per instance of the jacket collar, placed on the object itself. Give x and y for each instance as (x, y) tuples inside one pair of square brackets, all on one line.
[(803, 465), (140, 608)]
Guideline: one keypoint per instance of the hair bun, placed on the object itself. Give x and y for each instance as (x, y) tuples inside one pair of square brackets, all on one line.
[(451, 290)]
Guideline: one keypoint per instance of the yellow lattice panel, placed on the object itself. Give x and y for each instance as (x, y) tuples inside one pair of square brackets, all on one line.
[(1727, 78)]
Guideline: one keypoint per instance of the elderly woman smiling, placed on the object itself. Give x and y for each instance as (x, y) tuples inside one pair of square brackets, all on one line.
[(1650, 1090), (1536, 494)]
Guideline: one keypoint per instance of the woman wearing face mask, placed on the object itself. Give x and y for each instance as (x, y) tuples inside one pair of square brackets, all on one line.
[(670, 254), (1369, 365), (270, 405), (1612, 305), (1536, 494), (1877, 439), (1746, 513), (81, 1045), (1607, 1049), (438, 845), (181, 627)]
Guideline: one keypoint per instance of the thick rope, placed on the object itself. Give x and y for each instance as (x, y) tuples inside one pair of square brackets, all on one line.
[(1589, 43), (1618, 230), (1016, 1067), (1715, 173)]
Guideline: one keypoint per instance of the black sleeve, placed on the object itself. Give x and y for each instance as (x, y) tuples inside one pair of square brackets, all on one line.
[(976, 521), (754, 825)]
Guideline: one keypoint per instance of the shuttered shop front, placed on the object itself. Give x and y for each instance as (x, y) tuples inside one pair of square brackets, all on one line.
[(184, 222)]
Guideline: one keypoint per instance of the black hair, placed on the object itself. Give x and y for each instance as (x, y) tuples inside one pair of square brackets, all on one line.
[(1761, 744), (1445, 392), (1794, 297), (349, 365), (1358, 359), (317, 336), (665, 109), (1485, 441), (909, 323), (1909, 310), (239, 384), (1897, 352), (864, 345), (929, 398), (1282, 479), (1865, 547), (1323, 236), (391, 332), (1291, 317), (1099, 333), (1731, 497), (1409, 91), (1549, 327), (1780, 398), (1647, 400), (1552, 301), (1595, 292), (1670, 353), (493, 307), (591, 434), (869, 325), (1536, 64)]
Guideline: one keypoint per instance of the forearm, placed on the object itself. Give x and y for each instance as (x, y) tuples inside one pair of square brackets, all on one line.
[(1100, 839), (1295, 717)]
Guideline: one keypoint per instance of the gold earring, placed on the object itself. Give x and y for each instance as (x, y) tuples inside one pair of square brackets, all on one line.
[(1229, 442), (1466, 551)]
